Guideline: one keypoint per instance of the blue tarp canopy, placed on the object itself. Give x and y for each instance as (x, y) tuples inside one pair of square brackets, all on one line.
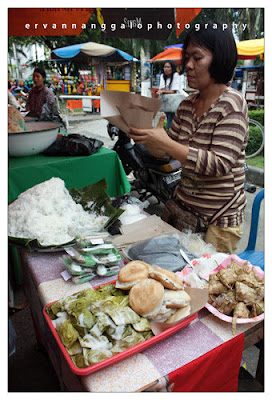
[(239, 71), (91, 53), (174, 45)]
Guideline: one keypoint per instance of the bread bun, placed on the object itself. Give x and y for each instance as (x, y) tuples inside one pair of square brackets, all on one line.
[(146, 296), (169, 279), (176, 298), (132, 273), (179, 314)]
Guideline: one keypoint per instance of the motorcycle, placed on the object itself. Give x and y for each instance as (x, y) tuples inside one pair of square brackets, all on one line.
[(151, 176)]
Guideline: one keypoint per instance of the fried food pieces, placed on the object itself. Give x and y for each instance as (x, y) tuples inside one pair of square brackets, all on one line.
[(237, 291)]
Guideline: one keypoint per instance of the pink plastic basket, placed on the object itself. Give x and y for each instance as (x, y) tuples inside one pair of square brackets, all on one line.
[(214, 310)]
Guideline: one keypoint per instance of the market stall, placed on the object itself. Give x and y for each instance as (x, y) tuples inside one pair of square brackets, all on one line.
[(108, 69), (202, 357), (250, 49), (250, 78), (195, 345), (115, 69)]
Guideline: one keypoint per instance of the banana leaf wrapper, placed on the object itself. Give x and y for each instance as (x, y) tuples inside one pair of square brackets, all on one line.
[(93, 330), (34, 244), (94, 198)]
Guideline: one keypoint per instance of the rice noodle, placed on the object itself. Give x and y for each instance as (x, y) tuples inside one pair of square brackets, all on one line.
[(47, 212)]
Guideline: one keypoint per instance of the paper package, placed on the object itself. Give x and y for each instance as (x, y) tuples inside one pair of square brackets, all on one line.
[(199, 298), (125, 110)]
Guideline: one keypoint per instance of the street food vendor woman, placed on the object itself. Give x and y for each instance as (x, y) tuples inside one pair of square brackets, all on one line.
[(208, 136), (41, 100)]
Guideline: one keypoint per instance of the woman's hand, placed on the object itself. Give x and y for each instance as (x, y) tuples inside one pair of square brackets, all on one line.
[(153, 137), (159, 92), (159, 143)]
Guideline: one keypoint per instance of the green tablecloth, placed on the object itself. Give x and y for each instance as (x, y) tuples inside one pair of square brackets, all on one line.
[(25, 172)]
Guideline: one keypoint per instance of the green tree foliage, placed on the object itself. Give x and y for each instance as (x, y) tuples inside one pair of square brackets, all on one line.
[(257, 115), (254, 18)]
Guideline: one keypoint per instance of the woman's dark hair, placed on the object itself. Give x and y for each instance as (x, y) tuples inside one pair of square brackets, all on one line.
[(173, 66), (40, 71), (221, 43)]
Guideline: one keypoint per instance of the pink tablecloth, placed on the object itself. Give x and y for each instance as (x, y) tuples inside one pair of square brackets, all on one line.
[(43, 284)]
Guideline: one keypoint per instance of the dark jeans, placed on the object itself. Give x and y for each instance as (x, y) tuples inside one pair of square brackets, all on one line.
[(170, 117)]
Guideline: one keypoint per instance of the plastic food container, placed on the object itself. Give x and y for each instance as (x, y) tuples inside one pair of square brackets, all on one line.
[(214, 310)]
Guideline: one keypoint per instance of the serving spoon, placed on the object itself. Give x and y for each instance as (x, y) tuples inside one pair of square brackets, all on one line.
[(186, 258)]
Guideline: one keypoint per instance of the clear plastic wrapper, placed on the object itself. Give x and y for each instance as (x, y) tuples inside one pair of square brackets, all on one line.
[(195, 244), (92, 257)]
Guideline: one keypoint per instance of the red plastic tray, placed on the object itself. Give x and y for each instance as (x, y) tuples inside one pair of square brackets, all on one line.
[(120, 356)]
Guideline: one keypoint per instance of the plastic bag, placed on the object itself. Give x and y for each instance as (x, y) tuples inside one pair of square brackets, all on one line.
[(132, 214), (135, 201), (194, 243), (163, 251), (73, 145), (50, 112), (202, 267), (120, 201), (133, 210)]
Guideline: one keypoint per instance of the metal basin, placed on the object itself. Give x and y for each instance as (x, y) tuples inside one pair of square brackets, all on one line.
[(39, 136)]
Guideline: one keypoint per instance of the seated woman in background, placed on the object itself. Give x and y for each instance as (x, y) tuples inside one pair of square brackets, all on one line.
[(41, 100)]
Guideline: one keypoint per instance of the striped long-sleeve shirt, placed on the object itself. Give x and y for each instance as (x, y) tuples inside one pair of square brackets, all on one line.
[(214, 170)]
